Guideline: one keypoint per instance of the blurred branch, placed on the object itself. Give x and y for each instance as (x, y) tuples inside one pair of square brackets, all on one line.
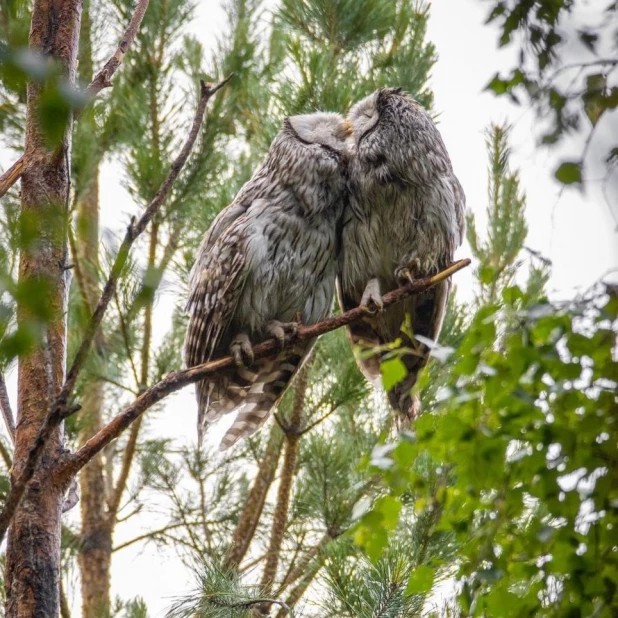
[(6, 456), (60, 411), (179, 379), (11, 176), (7, 412), (100, 81), (252, 510)]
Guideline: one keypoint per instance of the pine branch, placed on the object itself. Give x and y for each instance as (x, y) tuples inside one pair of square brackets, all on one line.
[(134, 230), (60, 411), (101, 81), (254, 504), (7, 412), (179, 379)]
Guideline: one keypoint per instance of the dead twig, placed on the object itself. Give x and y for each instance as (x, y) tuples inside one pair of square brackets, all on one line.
[(178, 379), (100, 81)]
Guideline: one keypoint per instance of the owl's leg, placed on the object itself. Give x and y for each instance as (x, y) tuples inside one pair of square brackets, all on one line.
[(410, 272), (371, 301), (279, 330), (241, 350)]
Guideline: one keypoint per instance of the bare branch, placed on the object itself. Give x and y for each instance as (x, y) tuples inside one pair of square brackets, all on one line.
[(178, 379), (11, 176), (5, 406), (103, 77), (60, 410), (101, 81)]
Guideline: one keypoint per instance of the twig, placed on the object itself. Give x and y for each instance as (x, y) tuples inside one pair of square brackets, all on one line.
[(100, 81), (60, 411), (133, 232), (178, 379), (5, 406), (103, 77)]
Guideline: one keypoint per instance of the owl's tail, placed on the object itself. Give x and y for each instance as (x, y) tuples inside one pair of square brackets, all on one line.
[(427, 316), (270, 383)]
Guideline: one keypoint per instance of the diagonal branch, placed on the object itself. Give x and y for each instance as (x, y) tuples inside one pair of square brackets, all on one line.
[(178, 379), (100, 81), (133, 232), (60, 411), (11, 176), (5, 407)]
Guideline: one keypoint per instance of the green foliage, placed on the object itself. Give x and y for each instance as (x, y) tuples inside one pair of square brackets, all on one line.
[(219, 594), (575, 96), (497, 255), (525, 432)]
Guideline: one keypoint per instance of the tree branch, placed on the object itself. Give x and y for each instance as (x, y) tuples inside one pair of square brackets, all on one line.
[(101, 80), (133, 232), (5, 407), (60, 411), (11, 176), (178, 379), (103, 77)]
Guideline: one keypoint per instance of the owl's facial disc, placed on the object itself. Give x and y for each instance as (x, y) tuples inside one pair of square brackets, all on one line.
[(324, 128), (364, 116)]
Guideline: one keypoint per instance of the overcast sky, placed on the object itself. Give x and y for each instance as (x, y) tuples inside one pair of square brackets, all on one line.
[(577, 233)]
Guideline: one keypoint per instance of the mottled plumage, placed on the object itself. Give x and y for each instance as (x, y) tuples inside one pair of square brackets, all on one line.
[(268, 257), (405, 220)]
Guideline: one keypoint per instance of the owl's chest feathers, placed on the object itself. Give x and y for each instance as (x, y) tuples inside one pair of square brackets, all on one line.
[(290, 266), (386, 227)]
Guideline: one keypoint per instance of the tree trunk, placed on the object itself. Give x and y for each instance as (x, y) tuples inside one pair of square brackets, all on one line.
[(33, 548)]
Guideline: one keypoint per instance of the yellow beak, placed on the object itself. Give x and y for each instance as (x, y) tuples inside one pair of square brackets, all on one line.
[(348, 128)]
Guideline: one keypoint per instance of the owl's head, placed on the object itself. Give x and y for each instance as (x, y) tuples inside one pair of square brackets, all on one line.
[(310, 156), (325, 129), (384, 109), (386, 126)]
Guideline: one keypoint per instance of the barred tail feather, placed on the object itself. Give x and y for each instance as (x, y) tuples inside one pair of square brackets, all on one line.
[(266, 391)]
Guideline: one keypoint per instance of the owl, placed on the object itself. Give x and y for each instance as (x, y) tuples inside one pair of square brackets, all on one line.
[(404, 220), (268, 259)]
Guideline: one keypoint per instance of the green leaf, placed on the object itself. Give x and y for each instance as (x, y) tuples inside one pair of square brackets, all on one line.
[(569, 172), (421, 580), (393, 372)]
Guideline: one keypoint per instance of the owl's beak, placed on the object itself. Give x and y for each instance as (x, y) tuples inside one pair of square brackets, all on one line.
[(348, 128)]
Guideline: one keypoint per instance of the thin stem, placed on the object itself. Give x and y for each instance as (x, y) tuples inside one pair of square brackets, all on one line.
[(7, 412)]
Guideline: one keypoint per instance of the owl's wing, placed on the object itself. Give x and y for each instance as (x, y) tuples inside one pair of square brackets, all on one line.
[(216, 286)]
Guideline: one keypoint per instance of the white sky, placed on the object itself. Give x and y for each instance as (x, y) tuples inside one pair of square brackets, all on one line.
[(576, 232)]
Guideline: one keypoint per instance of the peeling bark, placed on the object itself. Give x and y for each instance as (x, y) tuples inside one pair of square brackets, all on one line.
[(32, 569)]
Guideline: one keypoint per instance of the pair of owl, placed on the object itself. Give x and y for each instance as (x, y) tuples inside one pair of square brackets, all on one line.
[(370, 202)]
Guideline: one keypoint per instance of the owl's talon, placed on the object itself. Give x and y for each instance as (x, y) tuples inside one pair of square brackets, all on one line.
[(371, 301), (279, 330), (241, 350), (408, 274)]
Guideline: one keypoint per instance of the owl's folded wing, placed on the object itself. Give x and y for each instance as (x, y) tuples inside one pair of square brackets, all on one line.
[(216, 286)]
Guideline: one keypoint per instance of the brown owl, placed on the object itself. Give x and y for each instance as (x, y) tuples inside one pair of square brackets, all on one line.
[(268, 257), (404, 221)]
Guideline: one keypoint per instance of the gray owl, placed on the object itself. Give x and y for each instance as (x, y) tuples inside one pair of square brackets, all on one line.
[(404, 221), (268, 257)]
